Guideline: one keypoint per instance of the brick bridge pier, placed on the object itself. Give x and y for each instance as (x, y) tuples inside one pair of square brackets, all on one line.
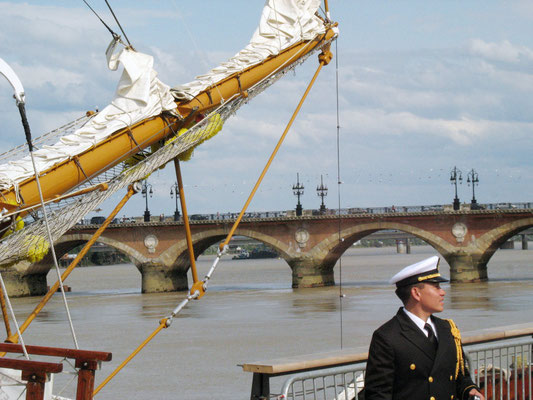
[(310, 245)]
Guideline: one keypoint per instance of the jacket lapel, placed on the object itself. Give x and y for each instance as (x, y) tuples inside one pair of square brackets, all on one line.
[(413, 334)]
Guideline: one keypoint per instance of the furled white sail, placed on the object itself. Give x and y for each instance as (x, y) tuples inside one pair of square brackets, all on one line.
[(139, 95), (283, 23)]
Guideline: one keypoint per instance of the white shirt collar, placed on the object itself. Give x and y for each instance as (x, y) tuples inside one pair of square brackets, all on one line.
[(420, 322)]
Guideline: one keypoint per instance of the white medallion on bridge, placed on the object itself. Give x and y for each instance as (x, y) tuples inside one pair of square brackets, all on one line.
[(301, 236), (151, 242), (459, 231)]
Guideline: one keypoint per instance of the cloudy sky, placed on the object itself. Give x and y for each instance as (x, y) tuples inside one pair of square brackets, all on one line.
[(423, 86)]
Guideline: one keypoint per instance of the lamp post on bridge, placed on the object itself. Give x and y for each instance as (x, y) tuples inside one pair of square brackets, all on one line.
[(456, 175), (322, 191), (175, 191), (147, 190), (298, 190), (473, 177)]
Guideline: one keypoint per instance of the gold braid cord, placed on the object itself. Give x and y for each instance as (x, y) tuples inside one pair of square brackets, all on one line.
[(457, 337)]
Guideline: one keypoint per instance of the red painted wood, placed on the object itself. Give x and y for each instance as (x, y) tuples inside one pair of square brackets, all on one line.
[(515, 379), (30, 367), (35, 372), (86, 374), (57, 352)]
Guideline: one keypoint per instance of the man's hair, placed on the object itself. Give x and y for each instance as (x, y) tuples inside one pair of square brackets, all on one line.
[(404, 292)]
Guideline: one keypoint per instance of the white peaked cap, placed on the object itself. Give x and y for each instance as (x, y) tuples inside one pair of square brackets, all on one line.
[(423, 271)]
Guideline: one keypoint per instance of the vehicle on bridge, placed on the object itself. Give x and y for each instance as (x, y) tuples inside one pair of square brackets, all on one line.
[(98, 220), (433, 208), (199, 217), (504, 206)]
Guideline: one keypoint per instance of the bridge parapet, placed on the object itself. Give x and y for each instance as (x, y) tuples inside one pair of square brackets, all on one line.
[(362, 214)]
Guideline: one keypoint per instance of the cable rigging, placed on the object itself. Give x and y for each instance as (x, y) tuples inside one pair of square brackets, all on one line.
[(339, 183), (115, 35), (118, 23)]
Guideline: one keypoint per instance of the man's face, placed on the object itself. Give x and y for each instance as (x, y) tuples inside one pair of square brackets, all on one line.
[(431, 297)]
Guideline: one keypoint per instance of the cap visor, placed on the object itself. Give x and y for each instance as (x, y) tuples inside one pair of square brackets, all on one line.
[(437, 279)]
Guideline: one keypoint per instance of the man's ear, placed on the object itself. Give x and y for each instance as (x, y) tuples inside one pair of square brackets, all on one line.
[(415, 293)]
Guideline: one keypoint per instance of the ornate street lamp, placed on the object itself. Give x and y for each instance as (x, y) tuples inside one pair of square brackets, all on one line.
[(147, 190), (456, 175), (322, 191), (473, 178), (175, 191), (298, 190)]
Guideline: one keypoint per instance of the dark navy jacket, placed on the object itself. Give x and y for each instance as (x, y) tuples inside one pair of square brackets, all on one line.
[(403, 365)]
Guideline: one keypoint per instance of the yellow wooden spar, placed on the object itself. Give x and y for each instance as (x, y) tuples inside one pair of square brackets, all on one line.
[(126, 142)]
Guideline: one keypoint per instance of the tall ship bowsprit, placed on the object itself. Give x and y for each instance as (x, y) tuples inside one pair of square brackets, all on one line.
[(53, 181)]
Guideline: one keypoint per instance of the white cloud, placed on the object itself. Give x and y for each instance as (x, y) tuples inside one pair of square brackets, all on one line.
[(463, 131), (503, 51), (521, 81)]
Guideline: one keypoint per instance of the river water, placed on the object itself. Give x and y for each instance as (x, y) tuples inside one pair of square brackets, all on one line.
[(251, 313)]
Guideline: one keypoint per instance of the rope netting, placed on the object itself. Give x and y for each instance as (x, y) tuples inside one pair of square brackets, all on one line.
[(31, 240), (47, 139)]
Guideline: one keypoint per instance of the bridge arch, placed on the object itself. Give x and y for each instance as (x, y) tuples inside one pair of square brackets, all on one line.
[(68, 242), (491, 241), (334, 249), (203, 240)]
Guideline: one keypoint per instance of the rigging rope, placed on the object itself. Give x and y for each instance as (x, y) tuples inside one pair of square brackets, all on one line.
[(115, 36), (52, 248), (339, 183), (4, 313), (192, 259), (13, 316), (27, 132), (118, 23)]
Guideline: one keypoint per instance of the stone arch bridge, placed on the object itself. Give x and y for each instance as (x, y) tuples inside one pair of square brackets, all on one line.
[(311, 245)]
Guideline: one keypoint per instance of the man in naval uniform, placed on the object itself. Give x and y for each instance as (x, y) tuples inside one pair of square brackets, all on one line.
[(415, 355)]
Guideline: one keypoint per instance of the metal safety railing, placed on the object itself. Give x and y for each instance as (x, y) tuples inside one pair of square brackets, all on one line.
[(501, 369), (339, 383)]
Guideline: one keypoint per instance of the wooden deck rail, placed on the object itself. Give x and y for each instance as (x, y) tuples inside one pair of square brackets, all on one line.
[(264, 370), (35, 372)]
